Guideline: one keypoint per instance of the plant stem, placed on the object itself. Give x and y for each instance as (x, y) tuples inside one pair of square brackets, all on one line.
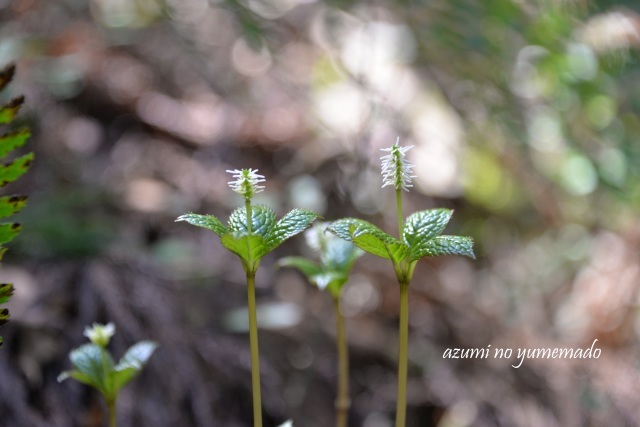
[(342, 402), (399, 206), (247, 204), (111, 407), (255, 358), (111, 401), (401, 409)]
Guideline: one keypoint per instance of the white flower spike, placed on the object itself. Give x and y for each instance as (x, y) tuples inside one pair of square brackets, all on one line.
[(246, 182), (100, 334), (396, 170)]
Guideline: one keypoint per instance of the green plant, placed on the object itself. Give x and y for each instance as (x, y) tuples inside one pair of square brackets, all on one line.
[(251, 233), (9, 172), (419, 236), (331, 274), (94, 365)]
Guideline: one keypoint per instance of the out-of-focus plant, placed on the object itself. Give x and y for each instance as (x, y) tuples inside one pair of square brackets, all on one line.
[(251, 233), (9, 172), (94, 365), (331, 274), (419, 237)]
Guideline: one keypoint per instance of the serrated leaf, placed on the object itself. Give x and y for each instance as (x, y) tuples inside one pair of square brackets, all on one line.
[(9, 111), (425, 225), (10, 205), (249, 247), (6, 75), (446, 245), (13, 140), (132, 363), (370, 238), (76, 375), (137, 356), (4, 316), (294, 222), (88, 361), (9, 231), (342, 228), (209, 222), (263, 220), (339, 254), (6, 290), (9, 172), (307, 267)]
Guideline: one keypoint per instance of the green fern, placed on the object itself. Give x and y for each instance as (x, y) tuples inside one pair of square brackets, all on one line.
[(9, 172)]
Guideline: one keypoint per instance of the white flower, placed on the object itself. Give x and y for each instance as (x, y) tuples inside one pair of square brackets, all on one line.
[(100, 334), (246, 182), (396, 170)]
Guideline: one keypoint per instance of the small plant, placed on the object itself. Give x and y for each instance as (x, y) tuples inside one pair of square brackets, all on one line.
[(94, 365), (336, 258), (418, 237), (9, 172), (251, 233)]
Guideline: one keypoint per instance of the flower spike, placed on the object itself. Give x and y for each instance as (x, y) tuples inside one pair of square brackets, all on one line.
[(99, 334), (396, 170), (246, 182)]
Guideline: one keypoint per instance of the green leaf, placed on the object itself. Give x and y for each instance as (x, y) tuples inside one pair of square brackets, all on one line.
[(9, 111), (339, 254), (262, 220), (249, 247), (330, 280), (422, 227), (425, 225), (87, 361), (369, 238), (307, 267), (9, 172), (137, 356), (6, 75), (289, 225), (6, 290), (132, 363), (13, 140), (209, 222), (4, 316), (10, 205), (9, 231), (446, 245), (78, 376)]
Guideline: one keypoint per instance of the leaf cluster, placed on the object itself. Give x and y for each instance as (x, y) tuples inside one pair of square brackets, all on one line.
[(336, 259), (9, 172), (266, 234), (94, 366), (420, 237)]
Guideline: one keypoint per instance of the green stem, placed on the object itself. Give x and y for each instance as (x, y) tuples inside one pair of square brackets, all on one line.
[(247, 204), (401, 409), (111, 401), (255, 358), (399, 206), (342, 402), (111, 407)]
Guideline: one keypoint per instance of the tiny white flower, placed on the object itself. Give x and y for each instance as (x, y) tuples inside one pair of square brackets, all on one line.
[(396, 170), (246, 182), (100, 334)]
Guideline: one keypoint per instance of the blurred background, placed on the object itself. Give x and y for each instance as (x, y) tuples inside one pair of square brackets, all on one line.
[(524, 117)]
